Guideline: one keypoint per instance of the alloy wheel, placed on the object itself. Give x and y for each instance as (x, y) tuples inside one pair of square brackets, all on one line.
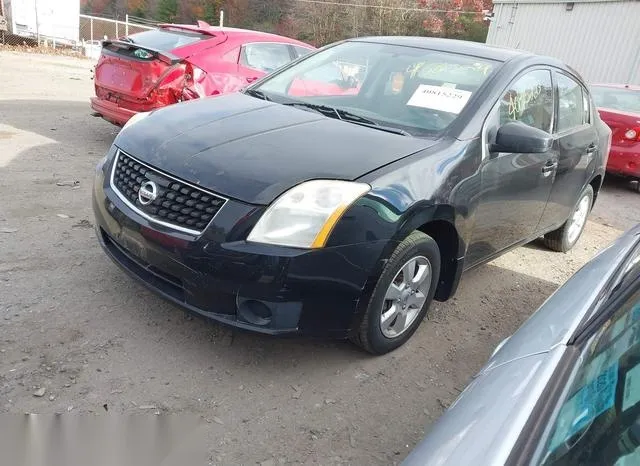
[(405, 296), (578, 219)]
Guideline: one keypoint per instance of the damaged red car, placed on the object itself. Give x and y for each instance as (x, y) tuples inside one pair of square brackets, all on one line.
[(619, 107), (173, 63)]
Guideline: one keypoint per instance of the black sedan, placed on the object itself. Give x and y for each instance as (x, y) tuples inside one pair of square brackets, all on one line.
[(343, 193)]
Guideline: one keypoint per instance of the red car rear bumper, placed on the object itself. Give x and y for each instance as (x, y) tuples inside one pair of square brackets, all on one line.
[(624, 161), (111, 111)]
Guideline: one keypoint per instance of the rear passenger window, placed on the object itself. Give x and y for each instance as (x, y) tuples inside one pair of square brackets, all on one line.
[(302, 51), (265, 57), (571, 104), (529, 100)]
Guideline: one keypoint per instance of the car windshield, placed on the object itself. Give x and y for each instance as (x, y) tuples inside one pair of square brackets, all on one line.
[(626, 100), (165, 40), (417, 91)]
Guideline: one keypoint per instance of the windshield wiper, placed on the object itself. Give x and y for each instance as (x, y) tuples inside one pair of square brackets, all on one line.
[(347, 116), (258, 94), (324, 109), (360, 120)]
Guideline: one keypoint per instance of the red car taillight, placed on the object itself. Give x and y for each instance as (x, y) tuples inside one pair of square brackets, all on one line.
[(194, 79)]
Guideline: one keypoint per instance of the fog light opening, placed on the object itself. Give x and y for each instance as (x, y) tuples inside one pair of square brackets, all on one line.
[(254, 312)]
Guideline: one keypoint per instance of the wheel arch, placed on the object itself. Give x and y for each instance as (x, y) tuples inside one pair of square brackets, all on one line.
[(596, 184), (439, 223)]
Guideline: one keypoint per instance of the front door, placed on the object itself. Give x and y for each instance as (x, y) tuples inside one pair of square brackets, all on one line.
[(514, 187), (577, 145)]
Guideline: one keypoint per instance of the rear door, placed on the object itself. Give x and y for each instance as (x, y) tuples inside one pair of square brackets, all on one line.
[(577, 146), (514, 187), (260, 58)]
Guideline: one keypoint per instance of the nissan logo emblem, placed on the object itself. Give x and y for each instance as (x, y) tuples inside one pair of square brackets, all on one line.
[(147, 193)]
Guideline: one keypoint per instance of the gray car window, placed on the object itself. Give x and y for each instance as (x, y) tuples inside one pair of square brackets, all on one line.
[(529, 100), (571, 110), (598, 421)]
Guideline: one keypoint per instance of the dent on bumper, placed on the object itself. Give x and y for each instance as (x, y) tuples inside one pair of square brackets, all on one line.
[(266, 289)]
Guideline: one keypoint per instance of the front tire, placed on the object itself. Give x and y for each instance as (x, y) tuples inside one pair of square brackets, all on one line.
[(565, 237), (402, 295)]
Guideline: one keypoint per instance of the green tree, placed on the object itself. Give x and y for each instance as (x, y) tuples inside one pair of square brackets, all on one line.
[(167, 11), (137, 8), (211, 11)]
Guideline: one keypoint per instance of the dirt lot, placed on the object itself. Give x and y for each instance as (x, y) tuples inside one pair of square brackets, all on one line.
[(72, 323)]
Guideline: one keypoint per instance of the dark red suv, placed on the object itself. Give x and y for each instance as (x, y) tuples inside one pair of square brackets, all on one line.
[(173, 63)]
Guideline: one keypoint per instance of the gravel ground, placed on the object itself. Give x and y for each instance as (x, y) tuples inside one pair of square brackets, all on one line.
[(73, 326)]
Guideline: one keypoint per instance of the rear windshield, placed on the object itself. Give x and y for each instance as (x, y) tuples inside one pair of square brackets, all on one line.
[(625, 100), (165, 41)]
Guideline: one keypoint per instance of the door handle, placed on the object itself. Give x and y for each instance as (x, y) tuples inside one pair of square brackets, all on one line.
[(592, 148), (549, 167), (250, 80)]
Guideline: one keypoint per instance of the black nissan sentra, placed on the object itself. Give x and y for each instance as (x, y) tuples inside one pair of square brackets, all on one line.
[(343, 193)]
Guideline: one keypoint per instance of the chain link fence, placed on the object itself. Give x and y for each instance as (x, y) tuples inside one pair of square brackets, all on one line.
[(92, 30)]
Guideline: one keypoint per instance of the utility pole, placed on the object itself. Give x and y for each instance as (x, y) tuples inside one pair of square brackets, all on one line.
[(3, 21), (35, 5)]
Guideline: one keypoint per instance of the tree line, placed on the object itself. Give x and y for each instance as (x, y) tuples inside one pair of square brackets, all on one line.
[(318, 22)]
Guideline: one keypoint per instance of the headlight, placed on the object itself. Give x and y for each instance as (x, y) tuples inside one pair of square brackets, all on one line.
[(305, 215), (105, 159), (136, 118)]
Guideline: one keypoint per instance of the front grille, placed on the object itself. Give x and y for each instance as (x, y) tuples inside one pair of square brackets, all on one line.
[(178, 204)]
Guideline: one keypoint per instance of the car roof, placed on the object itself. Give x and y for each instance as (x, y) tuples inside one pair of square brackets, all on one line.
[(205, 28), (463, 47)]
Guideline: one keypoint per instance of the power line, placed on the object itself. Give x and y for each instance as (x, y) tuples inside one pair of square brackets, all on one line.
[(383, 7)]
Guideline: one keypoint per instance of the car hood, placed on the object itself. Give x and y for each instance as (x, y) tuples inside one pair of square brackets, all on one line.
[(253, 150)]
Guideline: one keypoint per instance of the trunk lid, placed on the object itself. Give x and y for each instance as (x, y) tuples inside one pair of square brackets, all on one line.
[(133, 67)]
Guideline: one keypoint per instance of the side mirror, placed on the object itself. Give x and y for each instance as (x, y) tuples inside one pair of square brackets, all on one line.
[(521, 139)]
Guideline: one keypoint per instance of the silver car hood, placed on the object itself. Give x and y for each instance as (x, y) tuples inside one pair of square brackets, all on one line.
[(485, 421), (483, 424), (556, 321)]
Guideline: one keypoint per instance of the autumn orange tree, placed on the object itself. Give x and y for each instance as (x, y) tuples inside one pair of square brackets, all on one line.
[(462, 19)]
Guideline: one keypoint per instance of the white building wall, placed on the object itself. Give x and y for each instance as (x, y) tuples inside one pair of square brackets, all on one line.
[(601, 40)]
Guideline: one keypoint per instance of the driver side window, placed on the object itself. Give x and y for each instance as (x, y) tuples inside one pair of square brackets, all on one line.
[(529, 100)]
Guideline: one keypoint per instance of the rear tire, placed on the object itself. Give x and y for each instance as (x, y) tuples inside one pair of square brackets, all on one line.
[(565, 237), (401, 297)]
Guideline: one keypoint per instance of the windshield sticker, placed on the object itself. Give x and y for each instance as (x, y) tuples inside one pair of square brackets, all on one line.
[(631, 388), (424, 69), (439, 98), (586, 405)]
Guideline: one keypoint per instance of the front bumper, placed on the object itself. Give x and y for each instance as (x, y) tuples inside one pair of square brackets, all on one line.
[(268, 289), (625, 161)]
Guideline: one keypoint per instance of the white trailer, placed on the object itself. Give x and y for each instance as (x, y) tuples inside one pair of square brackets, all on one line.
[(52, 20)]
